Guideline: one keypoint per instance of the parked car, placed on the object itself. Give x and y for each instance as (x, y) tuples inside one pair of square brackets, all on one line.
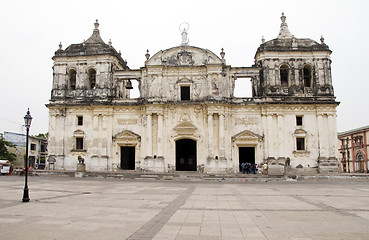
[(5, 167)]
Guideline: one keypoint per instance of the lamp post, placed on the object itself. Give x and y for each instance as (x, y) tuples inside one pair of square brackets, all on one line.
[(27, 124)]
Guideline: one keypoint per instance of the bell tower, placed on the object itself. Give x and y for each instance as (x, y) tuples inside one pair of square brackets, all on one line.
[(85, 70), (293, 67)]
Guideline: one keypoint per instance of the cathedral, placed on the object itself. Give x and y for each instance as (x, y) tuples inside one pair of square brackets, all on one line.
[(186, 117)]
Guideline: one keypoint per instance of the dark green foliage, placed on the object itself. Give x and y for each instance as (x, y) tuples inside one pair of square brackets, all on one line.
[(42, 135), (4, 153)]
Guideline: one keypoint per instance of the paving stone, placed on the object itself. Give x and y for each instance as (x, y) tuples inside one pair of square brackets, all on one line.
[(63, 208)]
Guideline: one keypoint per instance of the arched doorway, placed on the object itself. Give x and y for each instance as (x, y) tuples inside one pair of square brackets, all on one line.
[(359, 162), (186, 155)]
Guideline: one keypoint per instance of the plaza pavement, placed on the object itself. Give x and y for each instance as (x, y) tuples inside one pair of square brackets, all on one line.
[(63, 207)]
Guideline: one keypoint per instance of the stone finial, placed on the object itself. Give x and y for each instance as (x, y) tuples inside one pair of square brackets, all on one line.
[(120, 53), (284, 32), (222, 54), (95, 37), (110, 43), (283, 19), (322, 40), (60, 46), (147, 55), (294, 43), (262, 39), (96, 24)]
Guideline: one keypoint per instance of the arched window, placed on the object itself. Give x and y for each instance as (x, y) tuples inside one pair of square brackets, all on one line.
[(72, 79), (284, 70), (91, 78), (359, 162), (307, 75)]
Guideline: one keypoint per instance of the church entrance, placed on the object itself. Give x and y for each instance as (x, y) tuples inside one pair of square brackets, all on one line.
[(186, 155), (246, 155), (127, 158)]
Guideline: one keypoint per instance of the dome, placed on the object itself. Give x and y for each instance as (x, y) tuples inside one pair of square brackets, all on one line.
[(292, 44)]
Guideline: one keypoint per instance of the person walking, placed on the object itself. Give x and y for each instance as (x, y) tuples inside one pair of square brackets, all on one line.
[(243, 167)]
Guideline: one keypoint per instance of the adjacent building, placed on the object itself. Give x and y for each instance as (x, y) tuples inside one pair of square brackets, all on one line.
[(187, 117), (19, 141), (37, 149), (37, 152), (353, 148)]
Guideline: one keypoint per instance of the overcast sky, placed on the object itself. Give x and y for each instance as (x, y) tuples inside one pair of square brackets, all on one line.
[(31, 32)]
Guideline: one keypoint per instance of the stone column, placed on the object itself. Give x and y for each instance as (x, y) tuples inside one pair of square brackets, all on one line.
[(266, 132), (270, 135), (160, 134), (211, 140), (281, 143), (321, 136), (56, 144), (221, 135), (63, 133), (108, 134), (332, 136), (149, 135), (96, 134)]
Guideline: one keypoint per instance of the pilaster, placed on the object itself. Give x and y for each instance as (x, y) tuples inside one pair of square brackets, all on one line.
[(211, 140)]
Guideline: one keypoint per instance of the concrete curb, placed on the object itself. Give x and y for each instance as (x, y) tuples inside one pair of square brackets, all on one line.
[(194, 176)]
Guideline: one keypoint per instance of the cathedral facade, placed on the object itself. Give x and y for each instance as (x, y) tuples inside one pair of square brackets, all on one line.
[(187, 117)]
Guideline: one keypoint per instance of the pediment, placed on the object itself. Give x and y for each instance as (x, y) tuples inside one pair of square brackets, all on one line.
[(127, 135), (247, 135), (78, 133), (184, 81), (185, 56), (185, 128), (300, 132)]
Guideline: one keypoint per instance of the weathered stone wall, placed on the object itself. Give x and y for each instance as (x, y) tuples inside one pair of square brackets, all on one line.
[(271, 62), (219, 131), (219, 123), (105, 85)]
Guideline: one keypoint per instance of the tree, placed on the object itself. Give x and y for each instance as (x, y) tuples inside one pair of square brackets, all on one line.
[(4, 153), (42, 135)]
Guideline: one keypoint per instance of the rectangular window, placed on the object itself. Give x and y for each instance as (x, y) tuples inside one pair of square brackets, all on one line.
[(185, 93), (300, 143), (299, 120), (33, 146), (79, 143), (80, 120)]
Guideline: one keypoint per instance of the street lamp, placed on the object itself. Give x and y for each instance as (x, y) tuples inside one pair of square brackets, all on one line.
[(27, 124)]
